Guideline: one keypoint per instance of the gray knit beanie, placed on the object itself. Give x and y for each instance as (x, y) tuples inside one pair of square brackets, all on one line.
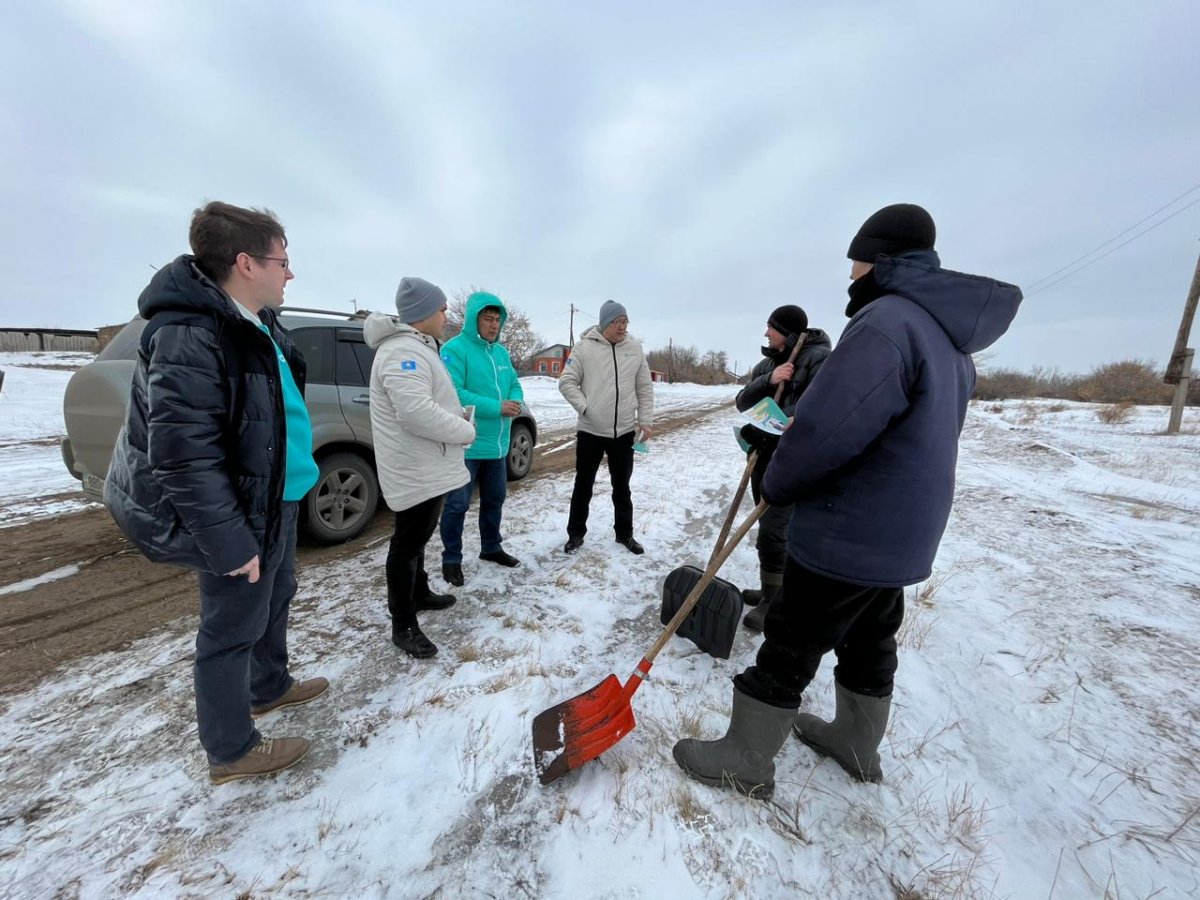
[(417, 299), (609, 311)]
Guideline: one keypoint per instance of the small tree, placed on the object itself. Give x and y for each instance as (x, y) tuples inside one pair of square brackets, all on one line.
[(518, 335)]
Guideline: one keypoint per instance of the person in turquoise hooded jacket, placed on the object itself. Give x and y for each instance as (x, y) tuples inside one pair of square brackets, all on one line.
[(484, 377)]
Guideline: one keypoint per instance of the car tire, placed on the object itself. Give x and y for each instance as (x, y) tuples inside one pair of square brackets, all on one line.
[(520, 452), (343, 501)]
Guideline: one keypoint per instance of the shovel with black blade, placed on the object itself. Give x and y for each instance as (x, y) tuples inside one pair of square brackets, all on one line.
[(578, 730), (712, 625)]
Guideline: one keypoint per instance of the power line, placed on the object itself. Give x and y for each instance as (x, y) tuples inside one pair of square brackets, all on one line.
[(1050, 280), (1145, 231), (1115, 237)]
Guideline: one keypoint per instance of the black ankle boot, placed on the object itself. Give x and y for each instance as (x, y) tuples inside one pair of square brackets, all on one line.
[(413, 642), (501, 558), (452, 573), (435, 601)]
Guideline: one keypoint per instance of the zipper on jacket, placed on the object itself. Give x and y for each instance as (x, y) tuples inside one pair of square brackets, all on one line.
[(617, 385), (500, 396)]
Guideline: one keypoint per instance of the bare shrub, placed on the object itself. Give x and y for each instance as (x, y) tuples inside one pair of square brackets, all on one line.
[(1131, 381), (1004, 384), (1115, 413)]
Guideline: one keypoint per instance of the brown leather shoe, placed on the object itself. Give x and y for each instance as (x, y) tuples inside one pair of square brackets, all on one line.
[(299, 692), (268, 757)]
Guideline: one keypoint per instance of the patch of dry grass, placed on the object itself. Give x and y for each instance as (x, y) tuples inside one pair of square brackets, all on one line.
[(1115, 413)]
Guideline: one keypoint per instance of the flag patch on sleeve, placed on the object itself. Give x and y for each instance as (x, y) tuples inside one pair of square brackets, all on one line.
[(408, 365)]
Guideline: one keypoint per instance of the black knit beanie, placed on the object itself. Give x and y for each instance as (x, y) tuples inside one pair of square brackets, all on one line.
[(789, 320), (892, 230)]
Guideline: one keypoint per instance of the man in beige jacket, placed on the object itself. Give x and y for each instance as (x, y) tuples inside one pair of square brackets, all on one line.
[(608, 383), (420, 434)]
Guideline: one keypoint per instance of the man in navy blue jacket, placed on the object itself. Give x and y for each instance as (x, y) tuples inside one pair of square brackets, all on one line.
[(868, 464)]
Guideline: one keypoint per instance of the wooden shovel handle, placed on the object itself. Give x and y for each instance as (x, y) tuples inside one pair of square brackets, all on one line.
[(750, 461), (705, 580)]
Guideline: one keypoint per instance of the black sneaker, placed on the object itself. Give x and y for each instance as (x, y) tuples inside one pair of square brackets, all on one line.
[(631, 545), (573, 544), (452, 574), (435, 601), (501, 558), (413, 642)]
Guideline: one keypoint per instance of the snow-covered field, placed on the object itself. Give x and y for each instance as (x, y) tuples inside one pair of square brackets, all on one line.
[(36, 482), (1044, 742)]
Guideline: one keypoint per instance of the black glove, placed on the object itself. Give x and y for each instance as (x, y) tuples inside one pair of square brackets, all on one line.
[(762, 441)]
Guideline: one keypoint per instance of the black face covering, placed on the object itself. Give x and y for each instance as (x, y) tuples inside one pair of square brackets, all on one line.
[(780, 356), (862, 291)]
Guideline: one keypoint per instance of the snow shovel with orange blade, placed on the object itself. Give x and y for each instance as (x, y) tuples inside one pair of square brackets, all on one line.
[(578, 730)]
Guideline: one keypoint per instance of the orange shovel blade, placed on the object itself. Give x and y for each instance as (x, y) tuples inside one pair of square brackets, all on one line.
[(578, 730)]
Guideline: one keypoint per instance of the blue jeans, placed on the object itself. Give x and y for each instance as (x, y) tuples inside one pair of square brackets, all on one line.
[(241, 647), (492, 477)]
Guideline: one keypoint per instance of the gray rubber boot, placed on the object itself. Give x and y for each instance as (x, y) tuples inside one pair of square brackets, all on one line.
[(745, 758), (852, 738), (756, 619)]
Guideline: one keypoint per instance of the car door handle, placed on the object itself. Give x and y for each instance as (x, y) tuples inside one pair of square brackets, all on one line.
[(362, 398)]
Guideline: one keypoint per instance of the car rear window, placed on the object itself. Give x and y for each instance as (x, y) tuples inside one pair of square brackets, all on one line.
[(316, 346)]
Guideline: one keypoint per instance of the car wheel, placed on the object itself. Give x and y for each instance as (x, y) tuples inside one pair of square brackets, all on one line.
[(343, 500), (520, 452)]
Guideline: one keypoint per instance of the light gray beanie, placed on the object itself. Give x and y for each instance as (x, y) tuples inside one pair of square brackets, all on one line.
[(417, 299), (609, 311)]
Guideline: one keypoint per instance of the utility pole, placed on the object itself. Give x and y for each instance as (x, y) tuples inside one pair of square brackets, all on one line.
[(572, 325), (1179, 369), (670, 360)]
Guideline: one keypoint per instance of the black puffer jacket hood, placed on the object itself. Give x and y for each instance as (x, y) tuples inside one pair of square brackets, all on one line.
[(197, 476), (181, 286)]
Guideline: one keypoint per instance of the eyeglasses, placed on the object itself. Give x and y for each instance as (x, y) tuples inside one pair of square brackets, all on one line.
[(282, 260)]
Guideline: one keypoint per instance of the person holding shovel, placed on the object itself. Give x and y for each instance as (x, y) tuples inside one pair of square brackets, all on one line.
[(785, 326), (868, 464)]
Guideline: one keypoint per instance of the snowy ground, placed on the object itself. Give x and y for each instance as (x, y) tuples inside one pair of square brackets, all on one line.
[(1043, 743), (37, 483), (31, 424)]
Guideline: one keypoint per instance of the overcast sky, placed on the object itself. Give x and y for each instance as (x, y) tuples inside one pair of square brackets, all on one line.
[(700, 162)]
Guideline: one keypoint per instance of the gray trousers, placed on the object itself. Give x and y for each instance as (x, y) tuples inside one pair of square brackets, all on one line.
[(241, 647)]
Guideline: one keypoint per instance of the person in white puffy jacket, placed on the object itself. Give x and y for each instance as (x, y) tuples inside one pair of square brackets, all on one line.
[(608, 383), (420, 434)]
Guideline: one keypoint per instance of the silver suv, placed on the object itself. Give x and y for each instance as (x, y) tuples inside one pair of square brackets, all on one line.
[(339, 370)]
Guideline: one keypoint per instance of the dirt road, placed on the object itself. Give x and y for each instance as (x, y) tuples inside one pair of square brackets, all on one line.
[(116, 596)]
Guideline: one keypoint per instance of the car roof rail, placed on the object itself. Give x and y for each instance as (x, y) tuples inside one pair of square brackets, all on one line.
[(341, 314)]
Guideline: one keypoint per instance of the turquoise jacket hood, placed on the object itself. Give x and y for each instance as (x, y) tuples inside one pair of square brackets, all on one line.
[(484, 377)]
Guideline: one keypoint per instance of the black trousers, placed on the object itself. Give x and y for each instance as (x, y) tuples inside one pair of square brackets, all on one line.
[(589, 450), (812, 615), (771, 542), (406, 579)]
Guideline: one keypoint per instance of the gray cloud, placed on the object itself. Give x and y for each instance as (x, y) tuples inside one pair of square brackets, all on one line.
[(701, 164)]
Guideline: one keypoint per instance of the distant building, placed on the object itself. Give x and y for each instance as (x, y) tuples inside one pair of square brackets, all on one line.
[(656, 375), (549, 360), (42, 339)]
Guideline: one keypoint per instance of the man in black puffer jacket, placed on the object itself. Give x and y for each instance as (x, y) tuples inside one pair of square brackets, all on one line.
[(215, 453), (785, 326)]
